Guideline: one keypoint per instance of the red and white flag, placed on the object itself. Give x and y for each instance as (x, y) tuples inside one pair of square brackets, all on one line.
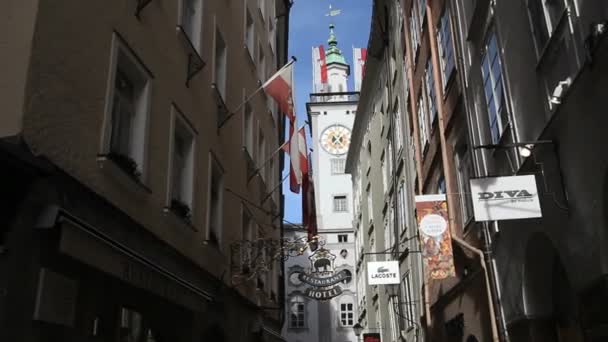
[(298, 156), (280, 88)]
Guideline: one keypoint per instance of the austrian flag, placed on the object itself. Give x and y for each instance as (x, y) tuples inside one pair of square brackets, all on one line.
[(279, 87), (298, 156)]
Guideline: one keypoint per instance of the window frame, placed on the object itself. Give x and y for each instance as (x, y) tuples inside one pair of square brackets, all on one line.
[(138, 144), (347, 314), (220, 64), (445, 44), (337, 208), (195, 39), (501, 114), (215, 165), (300, 312), (178, 118)]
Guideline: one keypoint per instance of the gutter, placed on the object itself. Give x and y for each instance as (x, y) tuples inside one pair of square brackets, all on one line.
[(482, 262)]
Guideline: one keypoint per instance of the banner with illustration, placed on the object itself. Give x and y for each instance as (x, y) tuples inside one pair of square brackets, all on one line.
[(436, 241)]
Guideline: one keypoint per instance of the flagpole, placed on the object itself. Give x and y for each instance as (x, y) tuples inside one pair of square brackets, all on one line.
[(261, 166), (275, 188), (248, 98)]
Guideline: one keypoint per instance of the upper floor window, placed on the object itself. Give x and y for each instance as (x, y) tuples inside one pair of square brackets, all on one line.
[(297, 312), (446, 48), (262, 8), (544, 18), (249, 33), (248, 129), (261, 152), (397, 131), (347, 314), (215, 206), (338, 165), (422, 124), (340, 204), (127, 111), (247, 235), (408, 305), (414, 32), (342, 237), (421, 11), (261, 63), (441, 189), (491, 72), (464, 171), (220, 67), (402, 207), (430, 90), (191, 16), (182, 166)]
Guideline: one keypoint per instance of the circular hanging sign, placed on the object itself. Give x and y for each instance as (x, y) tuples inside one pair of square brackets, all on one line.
[(433, 225)]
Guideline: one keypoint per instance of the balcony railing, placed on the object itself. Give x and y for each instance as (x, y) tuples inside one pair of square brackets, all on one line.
[(350, 96)]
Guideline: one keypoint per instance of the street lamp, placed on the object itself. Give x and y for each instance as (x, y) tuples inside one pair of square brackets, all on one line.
[(358, 329)]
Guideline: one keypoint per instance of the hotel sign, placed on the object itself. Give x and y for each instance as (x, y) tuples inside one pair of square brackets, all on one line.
[(505, 198), (383, 272), (322, 276), (326, 281)]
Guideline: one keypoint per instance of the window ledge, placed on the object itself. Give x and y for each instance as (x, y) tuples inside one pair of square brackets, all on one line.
[(172, 216), (195, 61), (221, 104), (112, 169)]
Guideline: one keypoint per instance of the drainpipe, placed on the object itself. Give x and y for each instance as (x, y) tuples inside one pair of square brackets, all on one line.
[(482, 262)]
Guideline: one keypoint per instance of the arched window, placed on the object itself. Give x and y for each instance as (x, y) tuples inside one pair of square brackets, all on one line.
[(297, 312)]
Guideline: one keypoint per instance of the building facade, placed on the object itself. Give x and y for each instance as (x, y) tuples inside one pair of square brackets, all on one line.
[(502, 89), (127, 187), (331, 114), (382, 166)]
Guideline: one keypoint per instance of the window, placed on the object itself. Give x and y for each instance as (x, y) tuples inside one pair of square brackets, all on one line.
[(398, 126), (430, 91), (271, 28), (408, 305), (402, 205), (342, 237), (261, 152), (261, 63), (464, 170), (216, 198), (441, 185), (247, 231), (370, 213), (422, 124), (297, 314), (389, 219), (248, 129), (182, 166), (340, 204), (422, 11), (446, 49), (131, 326), (347, 314), (262, 8), (544, 18), (493, 88), (190, 20), (385, 177), (220, 64), (414, 32), (128, 105), (337, 165), (249, 33), (392, 316)]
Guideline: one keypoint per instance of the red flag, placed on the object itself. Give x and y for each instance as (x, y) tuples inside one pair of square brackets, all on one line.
[(323, 64), (296, 147), (279, 87)]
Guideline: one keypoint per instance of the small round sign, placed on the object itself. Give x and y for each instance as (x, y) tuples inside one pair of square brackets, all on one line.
[(433, 225)]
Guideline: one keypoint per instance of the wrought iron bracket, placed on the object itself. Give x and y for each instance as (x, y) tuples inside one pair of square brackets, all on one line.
[(141, 4)]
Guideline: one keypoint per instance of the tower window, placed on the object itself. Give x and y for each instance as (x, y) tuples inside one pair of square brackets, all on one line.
[(340, 204), (342, 237)]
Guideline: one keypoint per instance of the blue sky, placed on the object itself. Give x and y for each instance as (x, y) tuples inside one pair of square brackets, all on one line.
[(308, 27)]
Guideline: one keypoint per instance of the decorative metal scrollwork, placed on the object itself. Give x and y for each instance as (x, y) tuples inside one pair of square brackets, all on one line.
[(253, 257)]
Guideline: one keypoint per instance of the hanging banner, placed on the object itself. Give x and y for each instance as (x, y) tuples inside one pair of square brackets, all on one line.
[(433, 224), (505, 198), (371, 337)]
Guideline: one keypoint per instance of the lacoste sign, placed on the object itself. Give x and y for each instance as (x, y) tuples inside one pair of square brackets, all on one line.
[(505, 198), (383, 272)]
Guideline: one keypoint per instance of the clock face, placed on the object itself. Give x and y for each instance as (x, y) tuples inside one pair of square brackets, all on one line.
[(335, 139)]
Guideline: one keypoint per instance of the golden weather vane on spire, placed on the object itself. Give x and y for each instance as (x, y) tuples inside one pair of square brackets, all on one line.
[(333, 12)]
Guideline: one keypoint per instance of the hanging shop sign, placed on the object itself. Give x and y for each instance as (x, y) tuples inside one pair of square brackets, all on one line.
[(383, 272), (325, 281), (371, 337), (436, 241), (322, 276), (505, 198)]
